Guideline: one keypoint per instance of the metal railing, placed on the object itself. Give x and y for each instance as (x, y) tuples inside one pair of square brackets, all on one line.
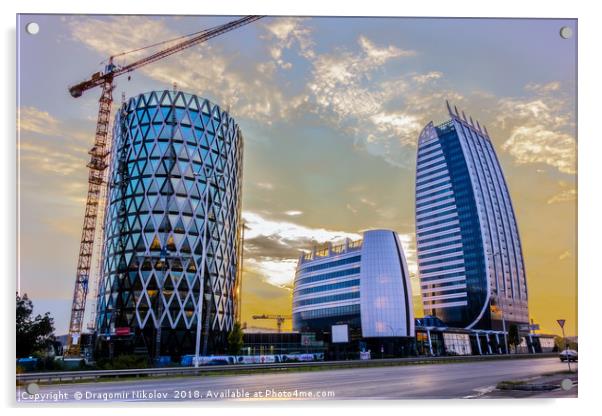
[(59, 376)]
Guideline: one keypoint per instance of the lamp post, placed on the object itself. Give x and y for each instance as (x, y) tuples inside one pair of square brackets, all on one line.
[(393, 332), (497, 282), (209, 179)]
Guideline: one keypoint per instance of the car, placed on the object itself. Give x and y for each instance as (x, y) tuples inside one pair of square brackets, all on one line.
[(567, 354)]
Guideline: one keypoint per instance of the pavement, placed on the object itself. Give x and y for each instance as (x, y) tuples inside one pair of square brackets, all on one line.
[(433, 381)]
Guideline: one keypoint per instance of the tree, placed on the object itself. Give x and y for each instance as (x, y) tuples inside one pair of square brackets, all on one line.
[(35, 334), (235, 339), (513, 336), (560, 344)]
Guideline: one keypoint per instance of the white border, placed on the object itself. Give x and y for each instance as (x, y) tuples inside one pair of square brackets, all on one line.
[(589, 169)]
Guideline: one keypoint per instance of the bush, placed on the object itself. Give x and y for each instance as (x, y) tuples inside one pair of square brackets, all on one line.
[(49, 364), (123, 362)]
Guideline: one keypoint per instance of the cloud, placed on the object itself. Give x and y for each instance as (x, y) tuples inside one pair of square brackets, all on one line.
[(538, 144), (566, 195), (284, 34), (272, 248), (379, 56), (293, 213), (34, 120), (351, 92), (538, 110), (265, 185), (339, 79), (429, 76), (277, 272), (543, 88), (48, 145), (368, 202), (341, 86), (249, 91), (540, 127), (289, 231), (256, 292), (398, 124), (51, 159)]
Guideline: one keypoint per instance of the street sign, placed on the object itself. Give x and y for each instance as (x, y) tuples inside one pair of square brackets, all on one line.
[(561, 322), (528, 327)]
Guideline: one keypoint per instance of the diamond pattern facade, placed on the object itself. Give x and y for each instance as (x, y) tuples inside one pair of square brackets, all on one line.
[(174, 155)]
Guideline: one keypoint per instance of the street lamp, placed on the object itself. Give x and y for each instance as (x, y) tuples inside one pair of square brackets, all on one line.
[(497, 282), (392, 330), (394, 335), (209, 179)]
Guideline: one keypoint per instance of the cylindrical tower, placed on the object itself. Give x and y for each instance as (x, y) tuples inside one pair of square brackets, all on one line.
[(173, 225)]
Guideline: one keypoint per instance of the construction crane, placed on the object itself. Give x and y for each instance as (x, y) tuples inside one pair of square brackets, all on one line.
[(279, 319), (100, 155)]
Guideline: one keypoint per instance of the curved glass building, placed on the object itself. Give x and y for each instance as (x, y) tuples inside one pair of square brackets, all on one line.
[(172, 226), (470, 258), (363, 284)]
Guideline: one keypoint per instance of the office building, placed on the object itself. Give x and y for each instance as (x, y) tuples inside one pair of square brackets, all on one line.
[(172, 245), (470, 259), (355, 293)]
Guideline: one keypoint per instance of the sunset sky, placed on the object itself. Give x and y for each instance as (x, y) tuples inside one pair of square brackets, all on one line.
[(330, 109)]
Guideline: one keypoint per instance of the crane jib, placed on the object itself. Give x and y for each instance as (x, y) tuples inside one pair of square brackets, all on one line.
[(97, 80), (97, 176)]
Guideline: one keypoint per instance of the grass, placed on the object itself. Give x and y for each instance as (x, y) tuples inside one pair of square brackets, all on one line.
[(510, 384), (557, 373), (517, 384)]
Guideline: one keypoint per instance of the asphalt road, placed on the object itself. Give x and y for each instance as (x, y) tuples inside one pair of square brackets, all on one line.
[(457, 380)]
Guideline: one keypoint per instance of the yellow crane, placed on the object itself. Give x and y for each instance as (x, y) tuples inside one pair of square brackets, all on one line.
[(279, 319), (100, 160)]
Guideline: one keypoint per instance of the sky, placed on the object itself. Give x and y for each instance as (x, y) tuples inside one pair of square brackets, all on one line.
[(330, 110)]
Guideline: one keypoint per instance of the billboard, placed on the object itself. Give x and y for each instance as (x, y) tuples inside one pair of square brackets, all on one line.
[(340, 333)]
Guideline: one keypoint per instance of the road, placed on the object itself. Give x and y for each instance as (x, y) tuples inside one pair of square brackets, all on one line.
[(456, 380)]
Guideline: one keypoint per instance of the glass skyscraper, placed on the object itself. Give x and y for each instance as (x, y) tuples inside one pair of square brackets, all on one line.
[(172, 226), (470, 258)]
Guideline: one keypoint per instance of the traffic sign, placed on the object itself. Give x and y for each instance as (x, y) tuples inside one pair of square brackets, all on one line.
[(561, 322), (528, 327)]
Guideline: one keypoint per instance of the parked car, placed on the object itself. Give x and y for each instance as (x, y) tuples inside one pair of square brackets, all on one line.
[(567, 354)]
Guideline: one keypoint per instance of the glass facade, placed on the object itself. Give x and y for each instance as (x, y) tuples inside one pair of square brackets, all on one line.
[(173, 226), (364, 284), (469, 252), (326, 289), (457, 344)]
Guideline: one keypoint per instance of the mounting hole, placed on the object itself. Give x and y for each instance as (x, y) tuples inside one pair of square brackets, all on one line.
[(32, 28), (32, 388), (566, 32), (566, 384)]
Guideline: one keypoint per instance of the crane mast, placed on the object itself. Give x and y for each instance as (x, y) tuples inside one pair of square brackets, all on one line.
[(96, 181), (100, 160)]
